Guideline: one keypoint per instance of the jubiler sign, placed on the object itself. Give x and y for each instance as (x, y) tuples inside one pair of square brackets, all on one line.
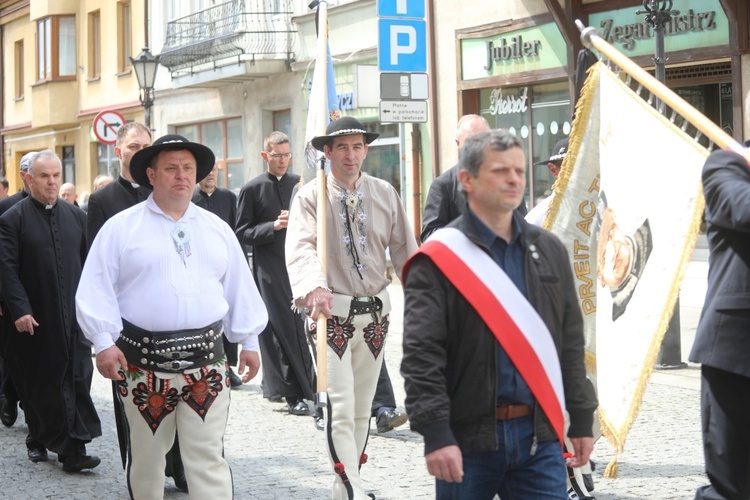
[(517, 48)]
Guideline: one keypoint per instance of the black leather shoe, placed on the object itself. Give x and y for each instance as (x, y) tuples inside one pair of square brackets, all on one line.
[(390, 419), (320, 423), (37, 455), (8, 413), (77, 463), (234, 380), (178, 476), (299, 408)]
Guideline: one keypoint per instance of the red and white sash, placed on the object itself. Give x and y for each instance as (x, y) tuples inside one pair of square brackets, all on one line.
[(506, 312)]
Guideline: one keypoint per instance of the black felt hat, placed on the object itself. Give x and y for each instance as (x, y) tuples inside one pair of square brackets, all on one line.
[(558, 152), (204, 157), (346, 125)]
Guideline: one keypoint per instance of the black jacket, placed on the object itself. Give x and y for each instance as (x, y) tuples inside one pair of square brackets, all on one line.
[(449, 362), (110, 200), (723, 336)]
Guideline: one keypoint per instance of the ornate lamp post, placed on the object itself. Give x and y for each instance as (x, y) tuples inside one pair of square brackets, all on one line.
[(658, 14), (145, 66)]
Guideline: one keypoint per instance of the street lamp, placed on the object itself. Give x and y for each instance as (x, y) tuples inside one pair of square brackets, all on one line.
[(145, 66)]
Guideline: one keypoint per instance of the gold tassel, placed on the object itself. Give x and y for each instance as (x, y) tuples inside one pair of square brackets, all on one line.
[(612, 470)]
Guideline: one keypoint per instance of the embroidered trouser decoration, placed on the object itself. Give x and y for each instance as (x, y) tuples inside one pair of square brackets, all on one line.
[(339, 333), (375, 333), (154, 397), (201, 389)]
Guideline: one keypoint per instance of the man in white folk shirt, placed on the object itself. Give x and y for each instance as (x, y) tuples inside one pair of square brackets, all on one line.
[(162, 282)]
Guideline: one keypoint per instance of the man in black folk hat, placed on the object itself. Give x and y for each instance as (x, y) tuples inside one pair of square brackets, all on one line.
[(537, 214), (364, 218), (162, 282)]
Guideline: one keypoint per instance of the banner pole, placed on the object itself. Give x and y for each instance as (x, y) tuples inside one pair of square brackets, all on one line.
[(590, 38)]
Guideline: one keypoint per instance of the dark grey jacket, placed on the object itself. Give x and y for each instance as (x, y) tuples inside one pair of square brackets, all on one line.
[(449, 362), (723, 336)]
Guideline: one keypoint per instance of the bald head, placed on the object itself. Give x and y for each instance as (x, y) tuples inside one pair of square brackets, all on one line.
[(468, 125), (68, 192)]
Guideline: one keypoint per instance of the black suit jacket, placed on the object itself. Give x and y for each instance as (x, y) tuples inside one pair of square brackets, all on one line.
[(723, 336), (110, 200), (12, 200), (445, 202)]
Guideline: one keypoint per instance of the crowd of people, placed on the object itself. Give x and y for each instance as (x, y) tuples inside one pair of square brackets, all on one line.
[(493, 357)]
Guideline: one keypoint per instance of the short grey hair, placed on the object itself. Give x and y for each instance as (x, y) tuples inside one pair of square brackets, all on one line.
[(471, 154), (467, 121), (47, 153)]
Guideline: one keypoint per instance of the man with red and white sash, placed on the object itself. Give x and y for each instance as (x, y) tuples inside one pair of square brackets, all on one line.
[(493, 341)]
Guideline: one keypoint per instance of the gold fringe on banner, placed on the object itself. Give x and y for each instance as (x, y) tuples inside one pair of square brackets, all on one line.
[(613, 469)]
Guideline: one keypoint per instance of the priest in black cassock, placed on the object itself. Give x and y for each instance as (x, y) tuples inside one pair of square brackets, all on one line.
[(222, 203), (42, 249), (261, 224)]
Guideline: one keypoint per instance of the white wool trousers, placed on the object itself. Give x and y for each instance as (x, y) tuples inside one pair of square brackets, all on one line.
[(355, 355), (196, 405)]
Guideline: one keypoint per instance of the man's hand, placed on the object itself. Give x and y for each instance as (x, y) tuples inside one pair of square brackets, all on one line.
[(446, 463), (582, 448), (282, 221), (109, 362), (249, 365), (319, 301), (26, 323)]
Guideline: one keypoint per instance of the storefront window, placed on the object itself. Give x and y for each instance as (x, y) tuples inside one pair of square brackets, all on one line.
[(107, 161), (540, 115), (382, 155)]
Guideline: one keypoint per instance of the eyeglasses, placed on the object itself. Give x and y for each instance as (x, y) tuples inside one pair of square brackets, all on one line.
[(279, 155)]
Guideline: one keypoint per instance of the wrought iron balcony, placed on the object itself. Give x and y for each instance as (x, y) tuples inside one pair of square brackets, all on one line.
[(233, 32)]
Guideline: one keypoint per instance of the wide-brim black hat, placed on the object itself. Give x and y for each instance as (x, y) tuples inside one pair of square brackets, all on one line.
[(558, 152), (346, 125), (204, 157)]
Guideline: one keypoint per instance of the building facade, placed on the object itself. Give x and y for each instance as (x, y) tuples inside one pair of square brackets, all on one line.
[(515, 63), (63, 62)]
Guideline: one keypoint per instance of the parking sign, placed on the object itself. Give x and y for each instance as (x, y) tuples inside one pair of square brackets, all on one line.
[(403, 45)]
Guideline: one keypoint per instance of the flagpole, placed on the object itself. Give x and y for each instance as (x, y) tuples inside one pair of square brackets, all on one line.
[(320, 128), (590, 37)]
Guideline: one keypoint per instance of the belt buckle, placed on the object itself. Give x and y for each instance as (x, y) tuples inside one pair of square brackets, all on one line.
[(176, 355), (175, 365)]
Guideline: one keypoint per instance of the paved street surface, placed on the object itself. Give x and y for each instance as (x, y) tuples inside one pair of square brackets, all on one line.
[(277, 456)]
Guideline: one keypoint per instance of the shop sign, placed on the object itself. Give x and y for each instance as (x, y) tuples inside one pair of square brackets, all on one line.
[(509, 104), (529, 49), (700, 23)]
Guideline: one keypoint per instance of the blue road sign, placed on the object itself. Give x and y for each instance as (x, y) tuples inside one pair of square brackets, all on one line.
[(403, 45), (413, 9)]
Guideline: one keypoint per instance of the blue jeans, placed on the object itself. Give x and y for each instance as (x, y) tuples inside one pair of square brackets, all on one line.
[(510, 471)]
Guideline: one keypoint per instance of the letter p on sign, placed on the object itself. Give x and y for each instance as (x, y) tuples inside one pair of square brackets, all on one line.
[(403, 45)]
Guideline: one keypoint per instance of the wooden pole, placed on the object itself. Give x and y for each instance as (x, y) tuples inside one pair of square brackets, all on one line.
[(321, 71), (590, 38)]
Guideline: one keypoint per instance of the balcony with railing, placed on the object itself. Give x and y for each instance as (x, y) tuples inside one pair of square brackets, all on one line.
[(254, 35)]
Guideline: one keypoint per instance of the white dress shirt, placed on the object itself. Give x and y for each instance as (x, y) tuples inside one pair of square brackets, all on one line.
[(135, 271)]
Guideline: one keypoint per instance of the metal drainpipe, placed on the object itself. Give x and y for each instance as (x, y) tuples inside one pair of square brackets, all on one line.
[(435, 138), (416, 171)]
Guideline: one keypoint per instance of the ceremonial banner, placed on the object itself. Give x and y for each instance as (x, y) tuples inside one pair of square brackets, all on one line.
[(628, 206), (322, 107)]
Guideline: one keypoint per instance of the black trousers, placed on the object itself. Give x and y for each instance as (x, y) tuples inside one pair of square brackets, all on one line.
[(383, 392), (725, 409)]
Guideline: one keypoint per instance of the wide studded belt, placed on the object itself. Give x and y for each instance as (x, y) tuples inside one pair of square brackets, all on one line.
[(171, 351), (365, 305)]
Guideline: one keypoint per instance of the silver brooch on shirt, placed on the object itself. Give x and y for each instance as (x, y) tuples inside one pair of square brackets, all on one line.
[(181, 238)]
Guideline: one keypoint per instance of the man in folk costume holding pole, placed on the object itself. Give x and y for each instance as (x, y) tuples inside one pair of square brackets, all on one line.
[(364, 216), (493, 341)]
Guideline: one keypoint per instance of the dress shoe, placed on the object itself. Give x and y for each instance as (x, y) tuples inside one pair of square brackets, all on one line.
[(37, 455), (8, 413), (299, 408), (178, 476), (234, 380), (77, 463), (390, 419)]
